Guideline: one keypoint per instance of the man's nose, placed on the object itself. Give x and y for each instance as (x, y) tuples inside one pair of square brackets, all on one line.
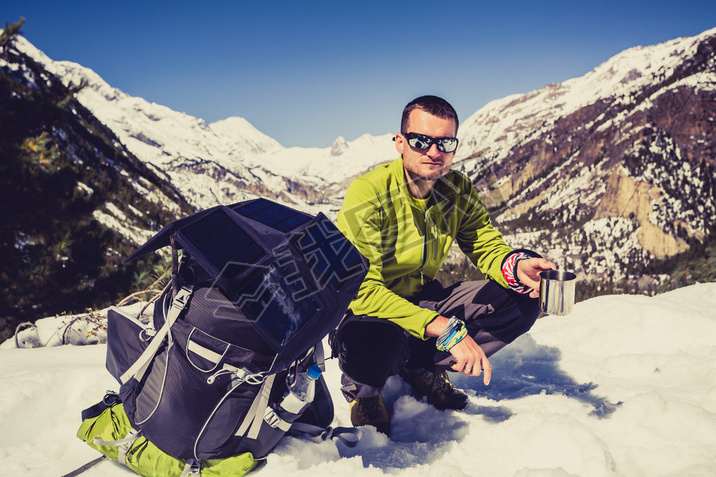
[(433, 150)]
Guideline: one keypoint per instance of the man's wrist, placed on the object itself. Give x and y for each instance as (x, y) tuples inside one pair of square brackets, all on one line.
[(454, 332), (435, 326), (509, 270)]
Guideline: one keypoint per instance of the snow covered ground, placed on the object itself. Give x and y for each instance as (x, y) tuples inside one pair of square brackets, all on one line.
[(624, 386)]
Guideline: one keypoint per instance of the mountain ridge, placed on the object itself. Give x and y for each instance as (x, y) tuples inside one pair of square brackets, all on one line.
[(184, 147), (631, 148), (73, 200), (547, 163), (608, 174)]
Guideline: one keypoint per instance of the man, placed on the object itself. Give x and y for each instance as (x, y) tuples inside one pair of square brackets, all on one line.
[(404, 217)]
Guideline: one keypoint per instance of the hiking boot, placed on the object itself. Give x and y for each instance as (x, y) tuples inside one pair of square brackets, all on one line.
[(371, 411), (437, 387)]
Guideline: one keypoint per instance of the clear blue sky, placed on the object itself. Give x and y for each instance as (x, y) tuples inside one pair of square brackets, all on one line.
[(305, 72)]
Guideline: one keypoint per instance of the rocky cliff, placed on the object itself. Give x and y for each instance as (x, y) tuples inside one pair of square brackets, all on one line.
[(608, 173)]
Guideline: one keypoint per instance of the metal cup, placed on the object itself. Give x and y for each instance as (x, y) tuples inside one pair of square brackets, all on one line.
[(556, 292)]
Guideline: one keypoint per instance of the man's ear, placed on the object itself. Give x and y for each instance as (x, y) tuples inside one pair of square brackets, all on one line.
[(399, 143)]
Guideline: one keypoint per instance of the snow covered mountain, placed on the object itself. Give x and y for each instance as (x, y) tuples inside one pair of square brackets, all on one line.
[(223, 162), (73, 200), (608, 173)]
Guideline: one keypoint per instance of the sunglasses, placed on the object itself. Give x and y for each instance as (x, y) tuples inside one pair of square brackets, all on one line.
[(423, 142)]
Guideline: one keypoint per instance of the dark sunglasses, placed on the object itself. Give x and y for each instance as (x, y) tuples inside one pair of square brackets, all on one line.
[(423, 142)]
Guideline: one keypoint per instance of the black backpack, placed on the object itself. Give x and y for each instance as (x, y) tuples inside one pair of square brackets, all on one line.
[(258, 287)]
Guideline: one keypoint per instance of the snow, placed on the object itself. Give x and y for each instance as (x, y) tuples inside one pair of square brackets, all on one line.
[(507, 121), (172, 141), (624, 386), (332, 164), (116, 220)]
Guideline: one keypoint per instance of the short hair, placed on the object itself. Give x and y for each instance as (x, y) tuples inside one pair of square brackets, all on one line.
[(432, 105)]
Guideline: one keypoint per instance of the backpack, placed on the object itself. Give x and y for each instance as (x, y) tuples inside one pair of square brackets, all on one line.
[(258, 287)]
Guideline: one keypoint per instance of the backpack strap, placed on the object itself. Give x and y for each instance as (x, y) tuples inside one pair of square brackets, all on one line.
[(123, 445), (192, 468), (275, 421), (320, 356), (255, 416), (84, 468), (109, 400), (140, 366)]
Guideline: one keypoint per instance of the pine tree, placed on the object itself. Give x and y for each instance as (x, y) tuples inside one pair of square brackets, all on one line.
[(8, 35)]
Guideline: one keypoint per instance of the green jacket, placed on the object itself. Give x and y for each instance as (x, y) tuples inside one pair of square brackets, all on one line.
[(406, 240)]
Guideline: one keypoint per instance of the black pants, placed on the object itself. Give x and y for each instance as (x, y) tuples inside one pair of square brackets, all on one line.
[(370, 349)]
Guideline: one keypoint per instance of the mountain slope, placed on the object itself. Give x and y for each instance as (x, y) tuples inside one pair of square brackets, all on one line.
[(608, 174), (223, 162), (73, 201), (612, 171)]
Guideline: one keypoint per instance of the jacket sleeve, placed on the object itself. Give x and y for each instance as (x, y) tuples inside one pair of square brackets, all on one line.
[(361, 221), (478, 239)]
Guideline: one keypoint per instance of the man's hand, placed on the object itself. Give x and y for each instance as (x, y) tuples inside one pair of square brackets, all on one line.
[(528, 271), (469, 357)]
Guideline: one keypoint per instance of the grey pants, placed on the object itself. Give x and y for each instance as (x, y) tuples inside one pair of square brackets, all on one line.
[(370, 349)]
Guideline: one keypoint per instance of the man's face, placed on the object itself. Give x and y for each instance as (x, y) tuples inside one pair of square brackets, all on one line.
[(430, 164)]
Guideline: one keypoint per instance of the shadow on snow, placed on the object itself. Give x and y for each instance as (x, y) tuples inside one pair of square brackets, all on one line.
[(420, 433), (527, 368)]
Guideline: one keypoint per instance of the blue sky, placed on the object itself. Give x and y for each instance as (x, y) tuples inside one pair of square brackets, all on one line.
[(305, 72)]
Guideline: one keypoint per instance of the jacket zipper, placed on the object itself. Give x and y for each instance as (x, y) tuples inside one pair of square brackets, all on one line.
[(436, 234), (424, 253), (424, 258)]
